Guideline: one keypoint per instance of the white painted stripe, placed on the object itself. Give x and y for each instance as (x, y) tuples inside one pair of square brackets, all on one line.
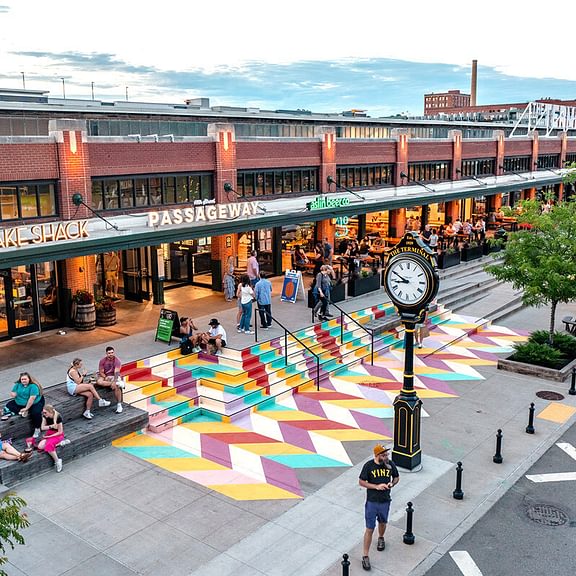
[(568, 448), (554, 477), (465, 563)]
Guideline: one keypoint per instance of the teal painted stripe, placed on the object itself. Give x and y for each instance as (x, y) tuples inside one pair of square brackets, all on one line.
[(450, 376), (306, 461), (150, 452)]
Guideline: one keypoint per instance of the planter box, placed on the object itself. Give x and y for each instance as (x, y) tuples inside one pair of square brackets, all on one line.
[(359, 286), (536, 371), (446, 260), (473, 253), (105, 317), (490, 248), (85, 318)]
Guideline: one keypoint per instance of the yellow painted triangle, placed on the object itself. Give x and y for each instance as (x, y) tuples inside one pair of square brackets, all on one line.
[(349, 435), (289, 415), (555, 412), (273, 448), (253, 492), (356, 403)]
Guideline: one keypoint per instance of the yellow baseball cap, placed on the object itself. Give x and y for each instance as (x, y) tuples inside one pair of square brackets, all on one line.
[(378, 449)]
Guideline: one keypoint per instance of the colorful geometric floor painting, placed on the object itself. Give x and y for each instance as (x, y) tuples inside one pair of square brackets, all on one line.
[(256, 456)]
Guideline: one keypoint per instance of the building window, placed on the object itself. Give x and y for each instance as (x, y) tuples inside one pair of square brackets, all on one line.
[(518, 164), (430, 171), (142, 191), (27, 200), (365, 176), (548, 161), (478, 167), (276, 182)]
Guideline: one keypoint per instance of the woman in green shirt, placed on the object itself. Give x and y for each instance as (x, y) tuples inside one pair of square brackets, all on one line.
[(27, 399)]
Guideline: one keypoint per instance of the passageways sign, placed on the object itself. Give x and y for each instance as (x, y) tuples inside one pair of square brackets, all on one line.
[(203, 213)]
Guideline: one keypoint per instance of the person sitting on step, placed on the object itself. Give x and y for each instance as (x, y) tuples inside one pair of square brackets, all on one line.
[(8, 452), (77, 387), (27, 399), (53, 429), (109, 376)]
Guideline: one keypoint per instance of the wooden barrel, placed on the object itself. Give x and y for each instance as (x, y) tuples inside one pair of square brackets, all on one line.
[(106, 317), (85, 317)]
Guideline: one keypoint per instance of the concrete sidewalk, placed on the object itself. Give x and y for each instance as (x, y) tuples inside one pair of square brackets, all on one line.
[(115, 514)]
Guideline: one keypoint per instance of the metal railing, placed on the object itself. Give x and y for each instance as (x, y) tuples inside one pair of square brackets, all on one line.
[(367, 330), (286, 334)]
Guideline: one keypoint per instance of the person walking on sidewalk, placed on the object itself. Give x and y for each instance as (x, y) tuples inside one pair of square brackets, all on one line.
[(263, 293), (109, 376), (246, 296), (378, 476), (253, 268)]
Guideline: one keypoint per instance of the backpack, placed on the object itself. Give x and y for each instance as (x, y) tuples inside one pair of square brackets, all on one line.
[(186, 347)]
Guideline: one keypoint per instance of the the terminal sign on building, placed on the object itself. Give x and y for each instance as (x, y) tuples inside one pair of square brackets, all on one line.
[(43, 233), (203, 213)]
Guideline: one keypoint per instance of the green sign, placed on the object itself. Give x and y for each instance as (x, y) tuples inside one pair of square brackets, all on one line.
[(166, 323), (321, 202)]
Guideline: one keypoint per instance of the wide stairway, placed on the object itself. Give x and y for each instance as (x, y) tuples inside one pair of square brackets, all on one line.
[(176, 389)]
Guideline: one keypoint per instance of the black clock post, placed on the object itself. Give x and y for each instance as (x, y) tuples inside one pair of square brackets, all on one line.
[(411, 281)]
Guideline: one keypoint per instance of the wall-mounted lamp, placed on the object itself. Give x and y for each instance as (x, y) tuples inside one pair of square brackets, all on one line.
[(78, 200), (331, 181), (472, 177), (404, 175), (513, 172)]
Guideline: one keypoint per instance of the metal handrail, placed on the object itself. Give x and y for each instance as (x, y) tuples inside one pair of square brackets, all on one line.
[(286, 332), (367, 330)]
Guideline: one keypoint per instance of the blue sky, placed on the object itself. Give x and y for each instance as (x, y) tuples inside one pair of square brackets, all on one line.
[(254, 54)]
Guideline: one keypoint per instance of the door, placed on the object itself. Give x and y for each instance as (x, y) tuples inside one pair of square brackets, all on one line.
[(136, 274), (18, 301)]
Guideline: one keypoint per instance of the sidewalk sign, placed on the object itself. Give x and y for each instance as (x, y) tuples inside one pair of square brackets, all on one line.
[(168, 323), (292, 281)]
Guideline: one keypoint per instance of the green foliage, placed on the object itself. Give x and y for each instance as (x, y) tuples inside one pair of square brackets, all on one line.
[(12, 520), (564, 343), (538, 354), (83, 297), (105, 304), (542, 261)]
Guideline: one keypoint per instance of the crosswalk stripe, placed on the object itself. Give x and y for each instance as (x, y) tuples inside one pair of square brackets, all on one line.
[(553, 477), (568, 448), (465, 563)]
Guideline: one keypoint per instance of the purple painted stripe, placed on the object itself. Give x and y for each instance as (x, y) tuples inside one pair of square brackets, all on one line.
[(281, 476)]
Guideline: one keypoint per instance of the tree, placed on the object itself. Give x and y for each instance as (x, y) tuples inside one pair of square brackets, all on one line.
[(542, 260), (12, 520)]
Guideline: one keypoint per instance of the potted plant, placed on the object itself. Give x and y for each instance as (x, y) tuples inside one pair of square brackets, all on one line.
[(491, 245), (448, 258), (83, 310), (105, 311), (471, 251), (365, 282)]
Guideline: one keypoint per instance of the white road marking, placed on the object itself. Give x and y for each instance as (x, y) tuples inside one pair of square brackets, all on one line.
[(557, 476), (568, 448), (554, 477), (465, 563)]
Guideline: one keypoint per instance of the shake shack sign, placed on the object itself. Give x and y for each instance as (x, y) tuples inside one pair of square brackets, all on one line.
[(203, 213)]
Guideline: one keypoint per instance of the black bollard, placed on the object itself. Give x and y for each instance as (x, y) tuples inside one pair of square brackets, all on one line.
[(345, 565), (458, 494), (530, 427), (409, 535), (572, 390), (497, 459)]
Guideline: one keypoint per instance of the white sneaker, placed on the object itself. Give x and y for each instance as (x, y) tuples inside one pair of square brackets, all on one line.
[(36, 433), (248, 331), (59, 465), (119, 408), (64, 442), (196, 349), (103, 403), (88, 414)]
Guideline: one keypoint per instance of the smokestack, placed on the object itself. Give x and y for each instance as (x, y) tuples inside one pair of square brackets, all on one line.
[(474, 83)]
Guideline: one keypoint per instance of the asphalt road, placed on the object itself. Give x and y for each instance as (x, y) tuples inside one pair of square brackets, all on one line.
[(507, 542)]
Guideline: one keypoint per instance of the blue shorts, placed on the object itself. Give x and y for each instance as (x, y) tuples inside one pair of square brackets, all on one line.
[(376, 511)]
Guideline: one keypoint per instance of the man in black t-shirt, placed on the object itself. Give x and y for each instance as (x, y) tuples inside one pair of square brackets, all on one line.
[(378, 476)]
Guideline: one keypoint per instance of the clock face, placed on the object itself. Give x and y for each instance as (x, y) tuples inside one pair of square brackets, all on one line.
[(408, 281)]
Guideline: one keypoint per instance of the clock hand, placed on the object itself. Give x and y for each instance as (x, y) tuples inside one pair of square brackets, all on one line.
[(402, 279)]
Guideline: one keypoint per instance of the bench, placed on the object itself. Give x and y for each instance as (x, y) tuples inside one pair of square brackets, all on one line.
[(85, 436), (569, 324)]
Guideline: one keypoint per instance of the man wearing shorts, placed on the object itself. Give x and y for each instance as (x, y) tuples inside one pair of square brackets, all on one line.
[(378, 476), (109, 376)]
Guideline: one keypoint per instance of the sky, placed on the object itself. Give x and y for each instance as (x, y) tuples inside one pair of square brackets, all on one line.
[(381, 56)]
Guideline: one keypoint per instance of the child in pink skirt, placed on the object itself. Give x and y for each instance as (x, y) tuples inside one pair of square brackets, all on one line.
[(53, 429)]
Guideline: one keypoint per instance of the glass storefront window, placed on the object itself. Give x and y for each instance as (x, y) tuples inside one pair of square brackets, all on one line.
[(28, 201), (126, 193), (170, 190), (141, 191), (8, 203), (111, 194), (194, 188), (47, 293), (206, 189), (155, 191), (181, 189), (47, 199)]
